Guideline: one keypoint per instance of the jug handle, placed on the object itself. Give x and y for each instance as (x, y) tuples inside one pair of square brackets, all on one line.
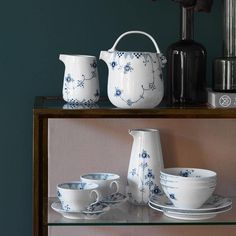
[(135, 32)]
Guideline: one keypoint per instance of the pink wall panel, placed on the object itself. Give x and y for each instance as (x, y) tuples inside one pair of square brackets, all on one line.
[(78, 146), (144, 230)]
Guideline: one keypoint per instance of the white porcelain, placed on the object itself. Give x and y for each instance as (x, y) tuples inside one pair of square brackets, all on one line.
[(81, 83), (215, 205), (114, 200), (174, 184), (93, 213), (77, 196), (188, 174), (134, 78), (108, 182), (188, 216), (188, 197), (80, 106), (145, 164)]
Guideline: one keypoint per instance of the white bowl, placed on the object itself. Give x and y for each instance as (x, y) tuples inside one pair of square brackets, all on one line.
[(186, 183), (188, 188), (188, 197), (188, 175)]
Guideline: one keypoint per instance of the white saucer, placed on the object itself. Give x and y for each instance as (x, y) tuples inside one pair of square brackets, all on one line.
[(189, 216), (213, 204), (91, 213), (114, 200)]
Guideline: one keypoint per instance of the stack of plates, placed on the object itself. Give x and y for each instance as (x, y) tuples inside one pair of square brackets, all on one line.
[(216, 204)]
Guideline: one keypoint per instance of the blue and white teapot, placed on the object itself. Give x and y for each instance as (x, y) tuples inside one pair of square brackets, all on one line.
[(135, 78)]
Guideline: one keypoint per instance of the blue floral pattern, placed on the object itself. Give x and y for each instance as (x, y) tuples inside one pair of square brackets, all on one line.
[(94, 64), (65, 207), (73, 86), (118, 92), (84, 102), (146, 178), (58, 194), (113, 64), (128, 68), (188, 173)]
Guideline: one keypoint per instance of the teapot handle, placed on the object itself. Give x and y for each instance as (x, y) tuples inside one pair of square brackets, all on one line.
[(135, 32)]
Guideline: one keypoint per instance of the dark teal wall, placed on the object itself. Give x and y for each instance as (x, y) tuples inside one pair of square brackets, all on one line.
[(32, 35)]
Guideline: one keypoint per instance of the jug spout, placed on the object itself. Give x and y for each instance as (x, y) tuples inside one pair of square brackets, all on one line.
[(133, 132), (104, 55), (62, 57)]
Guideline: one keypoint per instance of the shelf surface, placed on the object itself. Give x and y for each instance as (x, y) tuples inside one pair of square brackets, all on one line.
[(128, 214), (55, 107)]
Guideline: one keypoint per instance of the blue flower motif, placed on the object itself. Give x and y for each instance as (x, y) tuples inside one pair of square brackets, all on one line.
[(66, 207), (156, 190), (133, 172), (172, 196), (150, 174), (129, 102), (113, 64), (127, 68), (68, 79), (118, 92), (185, 173), (144, 155), (94, 64), (152, 86), (58, 194)]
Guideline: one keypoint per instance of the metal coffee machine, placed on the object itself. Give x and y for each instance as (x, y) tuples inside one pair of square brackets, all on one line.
[(224, 68)]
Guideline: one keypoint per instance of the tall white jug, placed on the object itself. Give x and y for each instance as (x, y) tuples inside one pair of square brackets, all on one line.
[(146, 161)]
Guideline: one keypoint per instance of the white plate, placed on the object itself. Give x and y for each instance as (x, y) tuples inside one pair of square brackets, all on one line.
[(88, 214), (114, 200), (189, 216), (214, 203)]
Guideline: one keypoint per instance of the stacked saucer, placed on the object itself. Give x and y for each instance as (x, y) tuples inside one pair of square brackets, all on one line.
[(214, 205), (94, 212)]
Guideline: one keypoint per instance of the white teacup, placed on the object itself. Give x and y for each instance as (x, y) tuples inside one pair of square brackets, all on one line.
[(108, 182), (77, 196)]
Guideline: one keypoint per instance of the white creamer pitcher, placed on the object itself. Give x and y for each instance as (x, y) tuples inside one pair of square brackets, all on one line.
[(134, 78), (146, 162), (81, 84)]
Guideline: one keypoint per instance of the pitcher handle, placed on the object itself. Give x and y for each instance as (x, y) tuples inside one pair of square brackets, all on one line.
[(135, 32)]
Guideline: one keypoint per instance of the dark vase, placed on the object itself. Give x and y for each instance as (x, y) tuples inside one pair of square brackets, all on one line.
[(186, 84)]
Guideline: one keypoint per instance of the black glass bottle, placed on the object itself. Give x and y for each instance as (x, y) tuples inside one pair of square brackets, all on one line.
[(186, 83)]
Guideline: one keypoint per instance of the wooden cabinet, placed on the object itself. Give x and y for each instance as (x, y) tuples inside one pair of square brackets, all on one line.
[(196, 136)]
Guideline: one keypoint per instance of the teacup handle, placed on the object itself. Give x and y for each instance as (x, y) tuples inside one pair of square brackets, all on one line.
[(116, 183), (98, 198), (135, 32)]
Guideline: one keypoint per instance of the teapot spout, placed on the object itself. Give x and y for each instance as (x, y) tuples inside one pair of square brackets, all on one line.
[(104, 55)]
